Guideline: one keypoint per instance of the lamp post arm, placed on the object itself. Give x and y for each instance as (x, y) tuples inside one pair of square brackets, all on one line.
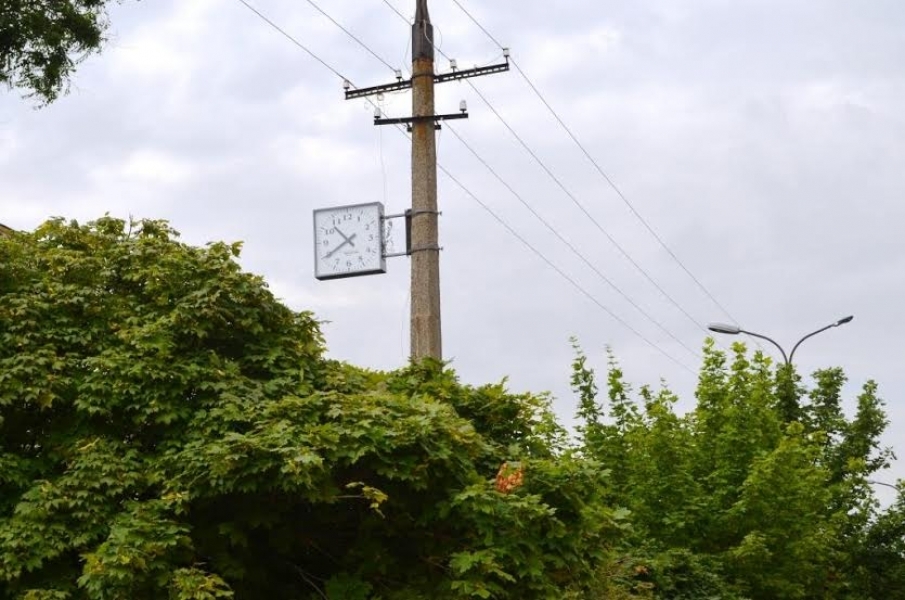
[(808, 336), (889, 485), (763, 337)]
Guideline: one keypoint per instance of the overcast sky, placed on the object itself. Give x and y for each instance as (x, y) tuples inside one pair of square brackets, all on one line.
[(763, 140)]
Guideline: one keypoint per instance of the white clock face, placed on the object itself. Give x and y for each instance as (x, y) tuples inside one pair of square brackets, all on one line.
[(348, 241)]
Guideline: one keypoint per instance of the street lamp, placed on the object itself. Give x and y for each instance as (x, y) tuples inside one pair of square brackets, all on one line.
[(735, 330), (889, 485)]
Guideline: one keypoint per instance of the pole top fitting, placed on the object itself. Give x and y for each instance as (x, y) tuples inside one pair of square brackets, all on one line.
[(421, 13), (422, 33)]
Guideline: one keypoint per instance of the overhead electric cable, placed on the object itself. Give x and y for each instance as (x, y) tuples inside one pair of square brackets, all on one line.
[(569, 244), (623, 197), (572, 197), (583, 209), (476, 22), (601, 171), (264, 18), (351, 35), (396, 10), (490, 211), (553, 265), (562, 273)]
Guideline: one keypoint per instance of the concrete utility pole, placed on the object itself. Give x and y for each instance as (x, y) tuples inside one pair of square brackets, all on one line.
[(422, 220), (426, 333)]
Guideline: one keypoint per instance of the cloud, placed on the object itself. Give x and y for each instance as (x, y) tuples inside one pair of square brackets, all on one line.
[(144, 167)]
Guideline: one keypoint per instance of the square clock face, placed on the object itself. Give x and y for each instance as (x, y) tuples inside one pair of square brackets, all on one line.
[(348, 241)]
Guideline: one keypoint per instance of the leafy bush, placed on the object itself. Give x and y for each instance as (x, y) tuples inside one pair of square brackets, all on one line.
[(168, 428)]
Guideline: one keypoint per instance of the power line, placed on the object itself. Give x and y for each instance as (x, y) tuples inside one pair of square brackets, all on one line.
[(550, 173), (496, 217), (292, 39), (562, 273), (550, 263), (396, 10), (583, 209), (568, 244), (475, 21), (555, 232), (351, 35), (571, 196), (600, 170), (623, 197)]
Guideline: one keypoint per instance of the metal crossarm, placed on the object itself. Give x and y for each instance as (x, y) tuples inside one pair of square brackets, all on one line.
[(409, 120), (476, 72), (406, 84)]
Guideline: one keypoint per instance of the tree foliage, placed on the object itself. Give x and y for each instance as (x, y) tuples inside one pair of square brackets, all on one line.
[(42, 42), (169, 429), (734, 499)]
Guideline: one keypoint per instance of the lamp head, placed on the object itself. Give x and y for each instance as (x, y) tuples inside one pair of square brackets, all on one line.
[(843, 321), (725, 328)]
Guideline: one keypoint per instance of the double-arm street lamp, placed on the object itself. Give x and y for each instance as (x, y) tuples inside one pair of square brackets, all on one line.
[(735, 330)]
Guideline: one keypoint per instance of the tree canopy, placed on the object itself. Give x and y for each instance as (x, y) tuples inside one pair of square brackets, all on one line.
[(169, 429), (732, 500), (42, 42)]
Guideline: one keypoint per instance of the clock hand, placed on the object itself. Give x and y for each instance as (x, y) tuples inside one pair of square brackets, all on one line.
[(345, 237), (337, 249)]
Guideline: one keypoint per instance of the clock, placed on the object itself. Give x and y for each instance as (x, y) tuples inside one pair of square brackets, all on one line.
[(348, 241)]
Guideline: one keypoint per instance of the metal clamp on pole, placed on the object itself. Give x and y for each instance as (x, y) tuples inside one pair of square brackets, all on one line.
[(409, 213), (433, 247), (428, 248)]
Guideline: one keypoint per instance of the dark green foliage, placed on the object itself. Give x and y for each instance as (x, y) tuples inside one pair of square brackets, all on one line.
[(168, 429), (42, 41)]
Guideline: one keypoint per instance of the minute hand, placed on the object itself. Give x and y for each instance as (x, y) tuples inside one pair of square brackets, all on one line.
[(338, 248)]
